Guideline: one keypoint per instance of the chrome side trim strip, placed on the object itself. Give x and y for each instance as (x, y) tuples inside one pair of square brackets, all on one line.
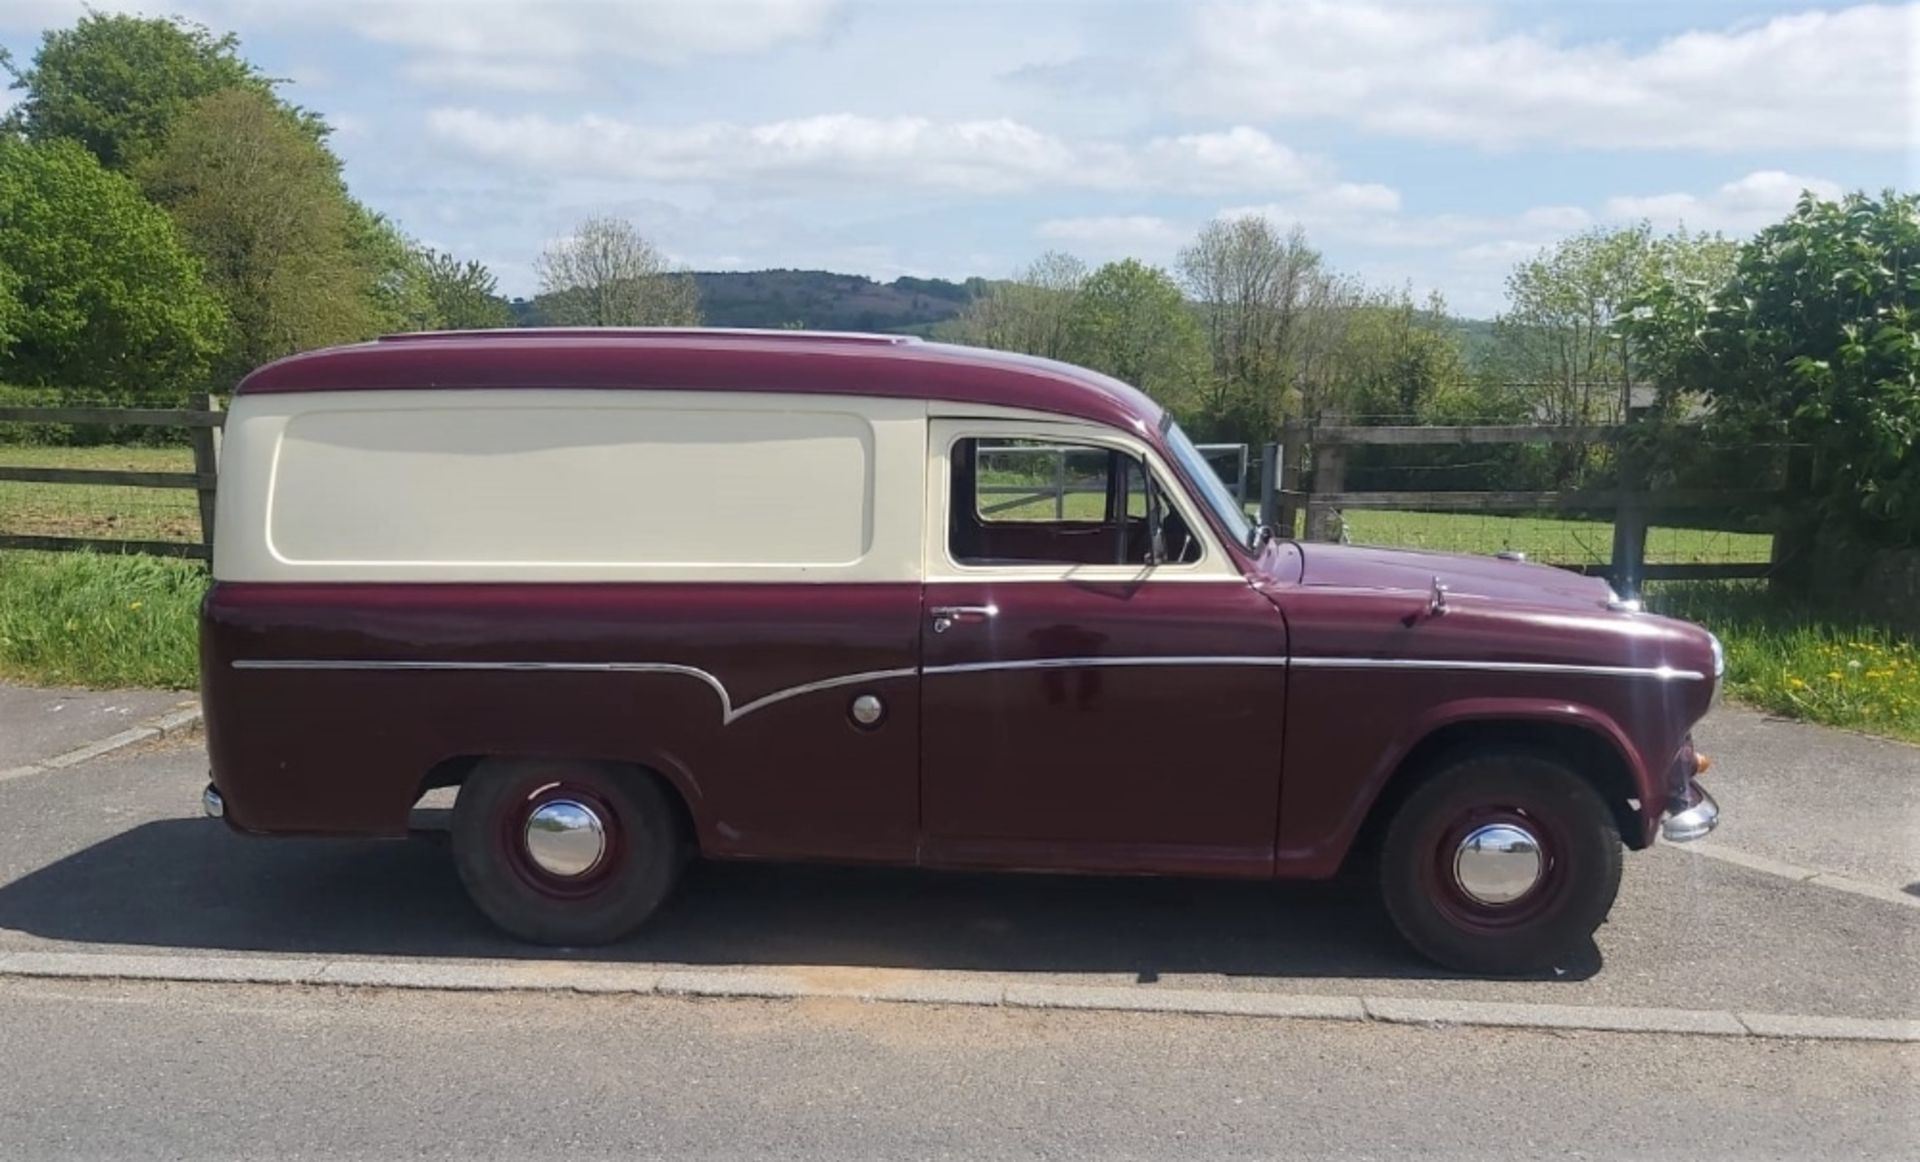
[(816, 687), (729, 713), (1663, 673), (1076, 663)]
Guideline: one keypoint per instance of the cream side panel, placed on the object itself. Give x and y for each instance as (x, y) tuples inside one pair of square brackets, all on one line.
[(571, 486), (1214, 564)]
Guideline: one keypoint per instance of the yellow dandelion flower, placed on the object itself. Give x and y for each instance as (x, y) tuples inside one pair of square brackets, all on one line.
[(135, 604)]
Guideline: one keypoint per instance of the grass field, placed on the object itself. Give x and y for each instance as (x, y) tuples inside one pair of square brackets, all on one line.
[(1560, 542), (108, 511)]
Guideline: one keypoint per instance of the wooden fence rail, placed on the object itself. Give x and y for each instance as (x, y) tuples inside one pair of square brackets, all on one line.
[(203, 422), (1631, 506)]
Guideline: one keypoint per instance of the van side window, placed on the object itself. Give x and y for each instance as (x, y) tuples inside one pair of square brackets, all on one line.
[(1033, 502)]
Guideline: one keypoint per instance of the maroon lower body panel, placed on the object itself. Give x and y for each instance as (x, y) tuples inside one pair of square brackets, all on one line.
[(329, 706)]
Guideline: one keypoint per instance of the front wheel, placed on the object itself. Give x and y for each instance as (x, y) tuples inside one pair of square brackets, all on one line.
[(559, 852), (1501, 863)]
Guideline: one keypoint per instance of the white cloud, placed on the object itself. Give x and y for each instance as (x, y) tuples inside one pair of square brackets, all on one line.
[(1238, 158), (1444, 72), (515, 76), (1139, 235), (516, 44), (1739, 207), (657, 31), (998, 156)]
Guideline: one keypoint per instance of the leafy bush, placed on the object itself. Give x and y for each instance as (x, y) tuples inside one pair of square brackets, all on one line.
[(1805, 662), (1815, 341)]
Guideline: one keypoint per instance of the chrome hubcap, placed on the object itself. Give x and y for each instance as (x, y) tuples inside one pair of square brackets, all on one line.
[(565, 838), (1498, 863)]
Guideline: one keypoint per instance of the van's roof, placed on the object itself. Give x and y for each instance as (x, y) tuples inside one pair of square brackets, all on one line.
[(662, 359)]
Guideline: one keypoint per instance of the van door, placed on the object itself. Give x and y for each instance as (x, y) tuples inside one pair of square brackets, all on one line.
[(1082, 708)]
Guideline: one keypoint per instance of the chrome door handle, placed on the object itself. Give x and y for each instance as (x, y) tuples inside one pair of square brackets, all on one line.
[(944, 616)]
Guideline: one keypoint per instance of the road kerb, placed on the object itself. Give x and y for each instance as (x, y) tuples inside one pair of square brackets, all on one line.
[(1425, 1011), (1804, 875), (166, 725), (905, 987), (1199, 1002), (1828, 1028), (186, 969)]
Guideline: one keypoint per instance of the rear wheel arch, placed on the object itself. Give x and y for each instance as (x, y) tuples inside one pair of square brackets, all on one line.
[(454, 771)]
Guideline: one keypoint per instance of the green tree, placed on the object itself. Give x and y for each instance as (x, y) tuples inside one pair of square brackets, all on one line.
[(1668, 311), (608, 275), (11, 310), (261, 202), (1130, 321), (1814, 341), (1564, 336), (1028, 313), (106, 299), (1275, 317), (1402, 360), (398, 293), (465, 294), (116, 84), (1558, 335)]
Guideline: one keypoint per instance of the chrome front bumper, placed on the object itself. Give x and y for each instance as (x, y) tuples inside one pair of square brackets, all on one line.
[(1690, 818)]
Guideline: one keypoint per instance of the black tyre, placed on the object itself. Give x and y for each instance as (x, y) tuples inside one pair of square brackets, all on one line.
[(558, 852), (1501, 863)]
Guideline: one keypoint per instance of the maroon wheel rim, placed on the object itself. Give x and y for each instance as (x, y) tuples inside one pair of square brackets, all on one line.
[(1442, 885), (510, 838)]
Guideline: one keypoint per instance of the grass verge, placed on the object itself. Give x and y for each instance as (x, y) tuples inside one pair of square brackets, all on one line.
[(80, 619), (1805, 663)]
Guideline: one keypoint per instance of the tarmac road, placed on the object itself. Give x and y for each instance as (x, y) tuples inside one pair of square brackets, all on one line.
[(213, 1071)]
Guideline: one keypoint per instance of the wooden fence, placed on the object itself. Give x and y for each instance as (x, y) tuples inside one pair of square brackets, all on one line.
[(202, 419), (1631, 506)]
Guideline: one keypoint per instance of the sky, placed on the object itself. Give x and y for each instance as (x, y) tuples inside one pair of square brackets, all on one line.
[(1425, 144)]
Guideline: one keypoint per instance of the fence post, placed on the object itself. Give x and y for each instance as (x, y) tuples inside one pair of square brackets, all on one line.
[(1293, 448), (1629, 565), (1329, 476), (1060, 484), (206, 461), (1269, 486)]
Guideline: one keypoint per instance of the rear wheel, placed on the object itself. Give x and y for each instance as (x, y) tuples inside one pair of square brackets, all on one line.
[(561, 852), (1501, 863)]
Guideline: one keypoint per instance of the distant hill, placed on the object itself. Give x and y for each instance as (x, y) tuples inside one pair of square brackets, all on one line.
[(820, 300), (815, 300), (1476, 338)]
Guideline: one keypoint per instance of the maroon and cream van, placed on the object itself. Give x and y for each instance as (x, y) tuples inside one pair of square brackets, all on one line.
[(648, 595)]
